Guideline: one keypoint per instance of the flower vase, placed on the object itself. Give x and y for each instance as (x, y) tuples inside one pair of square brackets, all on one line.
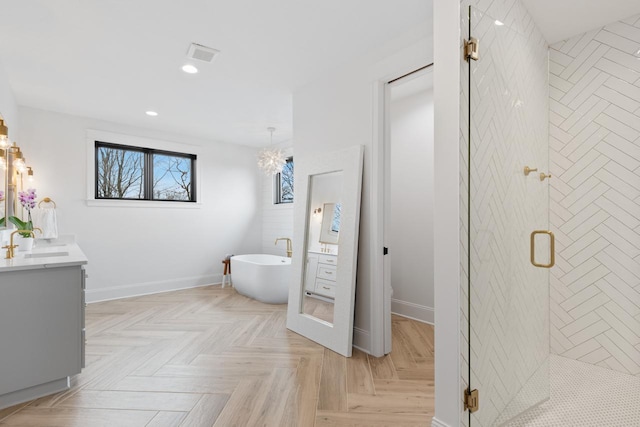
[(25, 244)]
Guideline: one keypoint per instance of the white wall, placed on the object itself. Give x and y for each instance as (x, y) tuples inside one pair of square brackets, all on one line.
[(139, 250), (411, 204), (277, 219), (447, 227), (337, 112)]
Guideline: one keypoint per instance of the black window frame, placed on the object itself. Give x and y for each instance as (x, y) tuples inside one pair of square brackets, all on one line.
[(277, 183), (147, 171)]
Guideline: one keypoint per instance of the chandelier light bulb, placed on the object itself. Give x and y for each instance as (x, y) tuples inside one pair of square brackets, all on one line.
[(271, 160)]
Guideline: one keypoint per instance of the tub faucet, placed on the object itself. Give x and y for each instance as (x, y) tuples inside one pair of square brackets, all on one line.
[(289, 246)]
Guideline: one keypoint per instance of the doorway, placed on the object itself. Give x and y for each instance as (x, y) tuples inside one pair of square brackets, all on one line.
[(408, 199)]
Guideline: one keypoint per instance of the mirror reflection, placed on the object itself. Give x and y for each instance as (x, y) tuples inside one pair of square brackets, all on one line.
[(3, 187), (323, 236), (330, 229), (3, 180)]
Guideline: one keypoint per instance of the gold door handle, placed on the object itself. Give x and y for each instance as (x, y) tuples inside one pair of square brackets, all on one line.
[(528, 170), (552, 248), (544, 176)]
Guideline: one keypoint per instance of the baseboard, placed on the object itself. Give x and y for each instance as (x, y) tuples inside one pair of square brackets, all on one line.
[(362, 340), (139, 289), (437, 423), (20, 396), (413, 311)]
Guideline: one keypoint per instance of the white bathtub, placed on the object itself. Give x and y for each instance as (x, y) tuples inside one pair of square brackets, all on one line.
[(262, 277)]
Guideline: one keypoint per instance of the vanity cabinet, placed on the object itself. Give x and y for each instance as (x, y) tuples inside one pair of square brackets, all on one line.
[(321, 272), (42, 330)]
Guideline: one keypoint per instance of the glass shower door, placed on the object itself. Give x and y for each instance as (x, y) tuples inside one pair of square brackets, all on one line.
[(508, 220)]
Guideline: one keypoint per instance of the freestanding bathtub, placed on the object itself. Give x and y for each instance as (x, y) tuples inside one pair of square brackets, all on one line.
[(262, 277)]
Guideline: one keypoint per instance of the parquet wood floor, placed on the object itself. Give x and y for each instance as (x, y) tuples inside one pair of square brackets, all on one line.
[(210, 357)]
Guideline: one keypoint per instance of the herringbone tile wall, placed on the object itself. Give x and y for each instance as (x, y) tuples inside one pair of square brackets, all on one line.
[(595, 196)]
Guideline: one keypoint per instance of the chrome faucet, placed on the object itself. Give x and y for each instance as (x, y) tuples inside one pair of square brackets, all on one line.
[(10, 254), (289, 246)]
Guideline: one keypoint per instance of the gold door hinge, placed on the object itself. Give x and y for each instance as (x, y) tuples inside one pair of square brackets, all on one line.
[(471, 402), (472, 49)]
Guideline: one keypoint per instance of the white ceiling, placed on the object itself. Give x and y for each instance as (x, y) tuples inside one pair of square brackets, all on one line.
[(561, 19), (115, 59)]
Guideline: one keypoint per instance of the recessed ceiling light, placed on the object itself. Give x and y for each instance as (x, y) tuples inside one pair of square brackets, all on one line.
[(151, 113), (498, 23), (189, 69)]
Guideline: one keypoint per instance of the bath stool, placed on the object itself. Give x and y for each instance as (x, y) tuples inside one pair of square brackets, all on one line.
[(227, 271)]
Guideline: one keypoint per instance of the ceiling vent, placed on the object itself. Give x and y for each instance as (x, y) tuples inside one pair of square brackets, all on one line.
[(202, 53)]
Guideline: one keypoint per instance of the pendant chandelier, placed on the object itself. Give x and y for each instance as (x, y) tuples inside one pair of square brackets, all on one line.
[(271, 160)]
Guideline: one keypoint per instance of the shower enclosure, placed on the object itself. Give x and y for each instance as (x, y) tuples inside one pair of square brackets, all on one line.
[(509, 247)]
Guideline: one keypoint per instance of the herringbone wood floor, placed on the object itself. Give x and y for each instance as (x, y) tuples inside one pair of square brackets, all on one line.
[(208, 356)]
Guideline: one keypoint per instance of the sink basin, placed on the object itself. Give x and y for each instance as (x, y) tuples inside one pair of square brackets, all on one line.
[(46, 254)]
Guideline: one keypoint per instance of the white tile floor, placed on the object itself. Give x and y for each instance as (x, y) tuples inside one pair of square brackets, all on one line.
[(584, 395)]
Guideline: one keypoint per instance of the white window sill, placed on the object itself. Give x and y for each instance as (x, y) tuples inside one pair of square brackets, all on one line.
[(142, 204)]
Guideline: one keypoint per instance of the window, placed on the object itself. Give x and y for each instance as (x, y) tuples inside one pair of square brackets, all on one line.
[(284, 183), (134, 173)]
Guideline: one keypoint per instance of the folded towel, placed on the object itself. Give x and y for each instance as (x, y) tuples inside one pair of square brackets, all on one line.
[(46, 220)]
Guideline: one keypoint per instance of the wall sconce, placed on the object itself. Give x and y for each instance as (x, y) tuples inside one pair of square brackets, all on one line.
[(15, 158), (18, 159), (30, 177), (4, 135), (317, 211)]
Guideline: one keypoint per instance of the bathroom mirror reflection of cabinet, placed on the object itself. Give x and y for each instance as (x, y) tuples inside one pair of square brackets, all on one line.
[(4, 172), (322, 295), (3, 188), (322, 242)]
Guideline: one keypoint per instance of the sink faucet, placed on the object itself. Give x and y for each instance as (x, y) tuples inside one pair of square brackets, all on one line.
[(289, 246), (11, 246)]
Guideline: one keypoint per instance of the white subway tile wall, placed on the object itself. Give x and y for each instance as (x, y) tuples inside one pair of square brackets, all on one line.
[(595, 196)]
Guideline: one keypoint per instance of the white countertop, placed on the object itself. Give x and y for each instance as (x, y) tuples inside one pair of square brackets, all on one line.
[(22, 262), (321, 253)]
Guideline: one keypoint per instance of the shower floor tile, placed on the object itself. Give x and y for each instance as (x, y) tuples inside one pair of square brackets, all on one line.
[(584, 395)]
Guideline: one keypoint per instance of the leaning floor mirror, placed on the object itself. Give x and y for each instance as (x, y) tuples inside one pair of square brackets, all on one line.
[(326, 225)]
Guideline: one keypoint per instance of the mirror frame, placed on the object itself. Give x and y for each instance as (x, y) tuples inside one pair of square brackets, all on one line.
[(337, 336)]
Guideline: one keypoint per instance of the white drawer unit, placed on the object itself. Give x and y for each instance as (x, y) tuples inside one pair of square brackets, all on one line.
[(327, 259), (325, 283), (327, 272), (326, 288)]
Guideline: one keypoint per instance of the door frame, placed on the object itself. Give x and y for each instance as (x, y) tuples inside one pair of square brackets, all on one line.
[(381, 337)]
